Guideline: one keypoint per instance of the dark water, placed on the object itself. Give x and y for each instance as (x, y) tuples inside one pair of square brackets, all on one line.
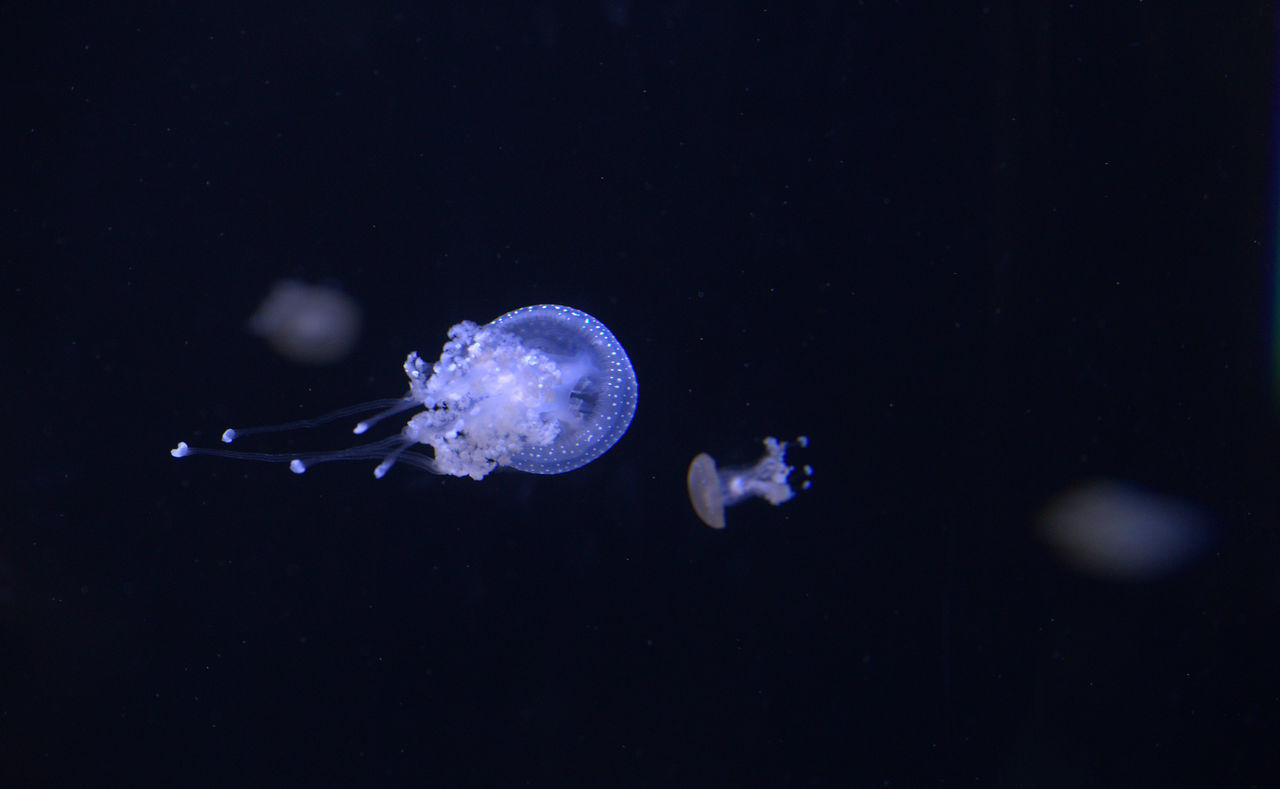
[(979, 255)]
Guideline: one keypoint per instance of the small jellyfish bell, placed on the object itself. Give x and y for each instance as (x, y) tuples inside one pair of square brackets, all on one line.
[(712, 489), (543, 389)]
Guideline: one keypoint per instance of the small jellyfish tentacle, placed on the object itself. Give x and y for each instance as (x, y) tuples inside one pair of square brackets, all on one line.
[(406, 403), (382, 468), (393, 405), (767, 479), (386, 449)]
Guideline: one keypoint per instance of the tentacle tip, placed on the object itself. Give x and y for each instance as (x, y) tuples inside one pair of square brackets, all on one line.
[(297, 466), (181, 450), (360, 428), (228, 435)]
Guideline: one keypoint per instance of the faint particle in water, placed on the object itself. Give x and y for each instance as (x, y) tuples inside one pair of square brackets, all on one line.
[(308, 324)]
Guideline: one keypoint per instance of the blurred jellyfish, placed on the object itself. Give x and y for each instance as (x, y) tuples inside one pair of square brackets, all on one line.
[(544, 389), (1117, 529), (712, 489), (308, 324)]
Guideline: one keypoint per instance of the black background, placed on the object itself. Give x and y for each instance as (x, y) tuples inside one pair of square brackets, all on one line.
[(978, 254)]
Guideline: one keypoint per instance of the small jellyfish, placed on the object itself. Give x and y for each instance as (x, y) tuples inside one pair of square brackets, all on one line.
[(712, 489), (308, 324), (543, 389)]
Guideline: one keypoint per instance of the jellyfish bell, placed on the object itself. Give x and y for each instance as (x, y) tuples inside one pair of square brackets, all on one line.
[(712, 489), (543, 389), (705, 491)]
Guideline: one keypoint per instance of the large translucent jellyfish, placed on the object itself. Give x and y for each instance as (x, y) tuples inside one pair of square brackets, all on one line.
[(543, 389), (712, 489)]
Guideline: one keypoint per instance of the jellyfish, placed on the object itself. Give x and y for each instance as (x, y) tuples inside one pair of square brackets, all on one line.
[(712, 489), (543, 389)]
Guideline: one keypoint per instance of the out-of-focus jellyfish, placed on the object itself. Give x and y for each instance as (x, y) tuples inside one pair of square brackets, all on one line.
[(712, 489), (544, 389), (309, 324), (1116, 529)]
